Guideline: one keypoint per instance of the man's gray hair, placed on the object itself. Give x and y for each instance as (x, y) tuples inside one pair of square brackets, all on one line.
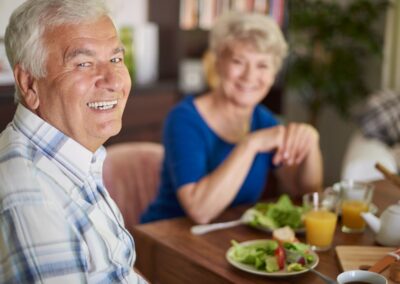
[(24, 34)]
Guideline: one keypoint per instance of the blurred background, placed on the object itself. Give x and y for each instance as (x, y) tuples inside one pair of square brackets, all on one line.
[(340, 53)]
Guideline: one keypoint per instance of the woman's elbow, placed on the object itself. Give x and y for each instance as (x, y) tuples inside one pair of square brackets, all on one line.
[(194, 208), (198, 216)]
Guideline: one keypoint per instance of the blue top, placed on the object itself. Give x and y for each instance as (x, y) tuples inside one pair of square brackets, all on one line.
[(193, 150)]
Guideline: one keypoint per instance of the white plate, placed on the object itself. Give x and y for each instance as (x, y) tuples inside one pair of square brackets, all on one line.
[(253, 270)]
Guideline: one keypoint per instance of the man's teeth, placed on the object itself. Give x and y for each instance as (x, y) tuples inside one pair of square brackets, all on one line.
[(102, 105)]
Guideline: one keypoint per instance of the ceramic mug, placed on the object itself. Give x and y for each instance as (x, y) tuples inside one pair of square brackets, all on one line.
[(360, 276)]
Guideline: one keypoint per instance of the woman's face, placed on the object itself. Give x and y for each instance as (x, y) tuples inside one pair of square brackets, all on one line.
[(246, 75)]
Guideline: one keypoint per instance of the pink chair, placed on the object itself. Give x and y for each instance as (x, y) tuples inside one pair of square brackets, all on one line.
[(131, 175)]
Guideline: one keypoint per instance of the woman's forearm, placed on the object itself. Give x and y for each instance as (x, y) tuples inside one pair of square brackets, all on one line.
[(304, 177), (207, 198), (310, 172)]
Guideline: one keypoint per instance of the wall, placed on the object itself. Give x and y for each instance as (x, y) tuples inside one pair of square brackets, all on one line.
[(6, 8), (129, 12)]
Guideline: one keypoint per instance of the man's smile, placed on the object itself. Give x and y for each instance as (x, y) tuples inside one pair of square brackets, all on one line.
[(102, 105)]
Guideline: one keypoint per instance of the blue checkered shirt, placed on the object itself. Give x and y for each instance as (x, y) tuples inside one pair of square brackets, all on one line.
[(58, 224)]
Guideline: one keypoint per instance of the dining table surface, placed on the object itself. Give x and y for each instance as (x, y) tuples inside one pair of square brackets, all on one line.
[(167, 252)]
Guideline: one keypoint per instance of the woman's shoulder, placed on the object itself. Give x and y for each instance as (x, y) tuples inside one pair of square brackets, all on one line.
[(184, 106), (264, 116), (261, 109), (185, 113)]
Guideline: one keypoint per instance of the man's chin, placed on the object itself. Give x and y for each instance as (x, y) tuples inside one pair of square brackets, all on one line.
[(109, 131), (113, 133)]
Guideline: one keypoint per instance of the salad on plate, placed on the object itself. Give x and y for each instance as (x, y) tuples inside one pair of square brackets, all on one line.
[(271, 257), (272, 215)]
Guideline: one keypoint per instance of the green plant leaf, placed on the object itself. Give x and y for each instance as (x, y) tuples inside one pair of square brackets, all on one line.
[(329, 43)]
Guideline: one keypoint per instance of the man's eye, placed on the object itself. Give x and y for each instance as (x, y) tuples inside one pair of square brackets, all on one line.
[(84, 64), (116, 60)]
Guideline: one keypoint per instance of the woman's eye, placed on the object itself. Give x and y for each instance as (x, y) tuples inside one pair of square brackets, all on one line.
[(236, 61), (116, 60), (263, 66), (84, 64)]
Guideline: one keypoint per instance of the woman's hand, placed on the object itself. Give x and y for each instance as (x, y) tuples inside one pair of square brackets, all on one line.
[(301, 158), (268, 139), (292, 142), (299, 140)]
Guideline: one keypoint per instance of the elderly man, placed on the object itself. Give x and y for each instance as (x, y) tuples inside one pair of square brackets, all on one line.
[(58, 224)]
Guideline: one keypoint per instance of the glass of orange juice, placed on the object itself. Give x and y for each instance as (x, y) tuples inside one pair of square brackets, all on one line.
[(320, 220), (355, 198)]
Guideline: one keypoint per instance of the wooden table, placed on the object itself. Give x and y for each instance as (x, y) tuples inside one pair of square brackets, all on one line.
[(168, 253)]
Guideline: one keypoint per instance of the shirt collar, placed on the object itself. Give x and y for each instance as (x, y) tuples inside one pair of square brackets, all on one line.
[(71, 157)]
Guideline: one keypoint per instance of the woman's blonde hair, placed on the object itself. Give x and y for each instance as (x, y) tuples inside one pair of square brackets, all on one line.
[(259, 30)]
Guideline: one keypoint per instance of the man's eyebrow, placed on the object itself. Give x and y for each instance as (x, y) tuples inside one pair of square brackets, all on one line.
[(119, 49), (84, 51), (79, 51)]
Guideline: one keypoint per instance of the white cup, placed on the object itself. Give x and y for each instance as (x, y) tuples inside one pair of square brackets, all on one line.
[(361, 275)]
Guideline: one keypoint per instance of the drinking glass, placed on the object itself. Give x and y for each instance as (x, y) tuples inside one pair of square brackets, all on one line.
[(355, 197), (320, 220)]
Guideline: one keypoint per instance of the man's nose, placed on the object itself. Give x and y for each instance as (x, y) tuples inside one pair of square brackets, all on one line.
[(109, 78)]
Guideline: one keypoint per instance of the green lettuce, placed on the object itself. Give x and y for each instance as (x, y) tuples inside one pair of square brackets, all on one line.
[(275, 215), (256, 254)]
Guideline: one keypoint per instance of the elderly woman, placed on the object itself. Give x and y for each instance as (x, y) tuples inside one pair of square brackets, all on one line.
[(220, 146)]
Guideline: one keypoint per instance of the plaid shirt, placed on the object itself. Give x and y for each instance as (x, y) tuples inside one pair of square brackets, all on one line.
[(380, 117), (58, 224)]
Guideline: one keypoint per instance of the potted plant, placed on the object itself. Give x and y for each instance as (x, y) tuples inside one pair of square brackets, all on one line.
[(329, 43)]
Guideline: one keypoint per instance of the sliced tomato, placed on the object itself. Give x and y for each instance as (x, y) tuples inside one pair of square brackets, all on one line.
[(280, 257)]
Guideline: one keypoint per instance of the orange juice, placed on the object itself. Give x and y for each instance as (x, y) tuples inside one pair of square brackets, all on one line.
[(320, 228), (351, 214)]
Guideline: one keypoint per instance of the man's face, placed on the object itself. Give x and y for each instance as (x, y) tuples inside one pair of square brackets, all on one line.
[(87, 84)]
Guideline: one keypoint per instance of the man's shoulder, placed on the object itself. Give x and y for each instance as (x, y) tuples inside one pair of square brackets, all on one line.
[(15, 149), (17, 170)]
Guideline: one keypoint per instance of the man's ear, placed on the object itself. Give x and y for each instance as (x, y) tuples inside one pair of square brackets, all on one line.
[(28, 86)]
